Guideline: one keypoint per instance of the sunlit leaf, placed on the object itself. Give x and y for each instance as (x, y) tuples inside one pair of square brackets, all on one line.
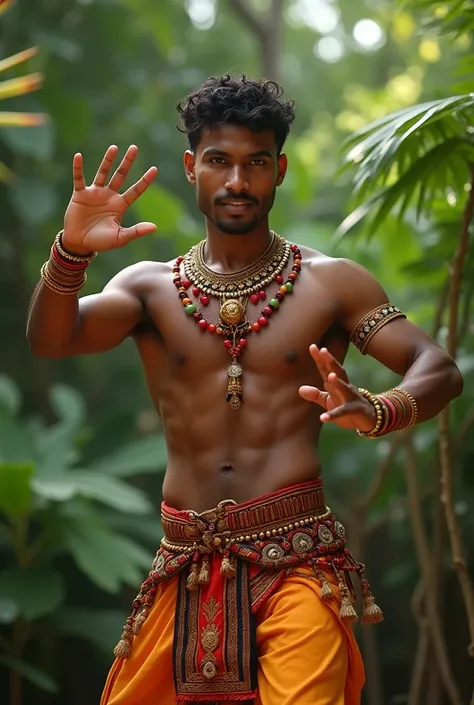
[(415, 154), (20, 85), (22, 119), (5, 4), (17, 58)]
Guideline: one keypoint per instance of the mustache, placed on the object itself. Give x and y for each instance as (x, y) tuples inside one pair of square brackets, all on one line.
[(220, 200)]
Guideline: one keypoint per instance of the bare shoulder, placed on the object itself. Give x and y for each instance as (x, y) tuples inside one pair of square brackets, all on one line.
[(140, 278), (341, 275)]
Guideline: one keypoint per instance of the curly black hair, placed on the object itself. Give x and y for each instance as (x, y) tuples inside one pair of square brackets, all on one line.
[(255, 104)]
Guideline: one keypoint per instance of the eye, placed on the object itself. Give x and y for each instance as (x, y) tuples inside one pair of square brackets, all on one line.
[(217, 160), (258, 162)]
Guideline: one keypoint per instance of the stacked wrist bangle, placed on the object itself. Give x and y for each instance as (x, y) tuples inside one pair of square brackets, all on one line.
[(65, 273), (396, 410)]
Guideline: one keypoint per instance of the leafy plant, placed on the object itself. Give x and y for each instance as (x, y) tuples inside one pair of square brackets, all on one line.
[(15, 87), (51, 507)]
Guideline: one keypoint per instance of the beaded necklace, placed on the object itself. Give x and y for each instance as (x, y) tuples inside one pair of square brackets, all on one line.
[(234, 291)]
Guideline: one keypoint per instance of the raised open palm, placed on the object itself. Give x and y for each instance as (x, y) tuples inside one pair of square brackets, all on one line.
[(93, 219)]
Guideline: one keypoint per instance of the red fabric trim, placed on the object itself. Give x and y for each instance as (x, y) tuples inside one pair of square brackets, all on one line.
[(186, 514), (219, 697)]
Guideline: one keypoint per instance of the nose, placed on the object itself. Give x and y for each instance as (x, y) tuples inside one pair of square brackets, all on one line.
[(236, 180)]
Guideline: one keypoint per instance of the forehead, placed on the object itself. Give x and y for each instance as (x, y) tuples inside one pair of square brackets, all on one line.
[(236, 139)]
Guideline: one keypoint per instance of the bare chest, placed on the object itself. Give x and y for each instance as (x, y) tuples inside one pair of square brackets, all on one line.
[(175, 341)]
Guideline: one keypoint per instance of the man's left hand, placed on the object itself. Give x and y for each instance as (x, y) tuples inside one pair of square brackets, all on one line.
[(342, 403)]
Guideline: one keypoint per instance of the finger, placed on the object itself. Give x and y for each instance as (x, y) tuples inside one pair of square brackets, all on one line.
[(78, 173), (336, 385), (104, 169), (135, 191), (337, 413), (319, 360), (138, 230), (314, 395), (332, 364), (123, 168)]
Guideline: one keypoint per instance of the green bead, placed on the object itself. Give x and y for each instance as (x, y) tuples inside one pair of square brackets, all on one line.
[(274, 303), (289, 287), (190, 309)]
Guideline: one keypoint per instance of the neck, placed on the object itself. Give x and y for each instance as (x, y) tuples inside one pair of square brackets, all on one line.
[(227, 253)]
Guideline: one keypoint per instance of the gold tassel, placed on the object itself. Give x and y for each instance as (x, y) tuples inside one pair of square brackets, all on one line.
[(347, 610), (192, 581), (124, 647), (227, 569), (326, 591), (371, 612), (139, 621), (204, 572)]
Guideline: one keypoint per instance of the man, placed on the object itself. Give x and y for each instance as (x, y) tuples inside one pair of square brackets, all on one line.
[(250, 596)]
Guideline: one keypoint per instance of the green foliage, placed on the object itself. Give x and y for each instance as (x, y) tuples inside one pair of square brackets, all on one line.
[(413, 156), (52, 507), (79, 490)]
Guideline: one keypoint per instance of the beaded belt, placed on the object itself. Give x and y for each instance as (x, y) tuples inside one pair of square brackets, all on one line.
[(229, 523), (236, 556)]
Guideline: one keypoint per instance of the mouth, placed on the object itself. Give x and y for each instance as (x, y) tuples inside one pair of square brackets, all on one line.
[(236, 206)]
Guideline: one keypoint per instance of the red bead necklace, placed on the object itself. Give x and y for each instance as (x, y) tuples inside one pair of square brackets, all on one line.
[(234, 326)]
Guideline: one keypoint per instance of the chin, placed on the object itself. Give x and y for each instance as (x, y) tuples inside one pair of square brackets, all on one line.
[(236, 227)]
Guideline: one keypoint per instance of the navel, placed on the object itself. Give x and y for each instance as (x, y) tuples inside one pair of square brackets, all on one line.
[(227, 470)]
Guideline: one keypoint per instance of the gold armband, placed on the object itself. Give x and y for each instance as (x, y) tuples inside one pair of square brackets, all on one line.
[(372, 323)]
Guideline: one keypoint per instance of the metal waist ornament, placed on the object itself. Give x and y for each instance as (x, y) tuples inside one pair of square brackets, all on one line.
[(235, 291)]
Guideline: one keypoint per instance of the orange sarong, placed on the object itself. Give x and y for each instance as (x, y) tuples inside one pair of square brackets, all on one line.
[(307, 654), (262, 618)]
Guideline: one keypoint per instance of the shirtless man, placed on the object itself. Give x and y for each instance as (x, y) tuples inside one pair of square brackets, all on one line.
[(252, 560)]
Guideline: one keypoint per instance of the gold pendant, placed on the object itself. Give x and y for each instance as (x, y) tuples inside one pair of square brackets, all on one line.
[(232, 312), (234, 387)]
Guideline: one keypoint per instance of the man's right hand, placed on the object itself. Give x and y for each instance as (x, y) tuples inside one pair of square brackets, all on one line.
[(93, 219)]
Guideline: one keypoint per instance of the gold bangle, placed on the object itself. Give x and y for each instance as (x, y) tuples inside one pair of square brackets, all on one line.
[(413, 407), (56, 286), (379, 411), (67, 255)]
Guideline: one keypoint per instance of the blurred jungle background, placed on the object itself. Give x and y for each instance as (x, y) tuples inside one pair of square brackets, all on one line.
[(381, 169)]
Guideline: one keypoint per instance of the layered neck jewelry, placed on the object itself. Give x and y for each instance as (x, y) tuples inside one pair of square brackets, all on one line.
[(234, 291)]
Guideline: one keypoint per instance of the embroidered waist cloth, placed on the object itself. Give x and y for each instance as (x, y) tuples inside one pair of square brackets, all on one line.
[(231, 559)]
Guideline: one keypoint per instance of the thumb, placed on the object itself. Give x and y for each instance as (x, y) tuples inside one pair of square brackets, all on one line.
[(314, 395), (138, 230)]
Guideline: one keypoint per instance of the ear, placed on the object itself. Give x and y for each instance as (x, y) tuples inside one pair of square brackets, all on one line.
[(282, 165), (189, 166)]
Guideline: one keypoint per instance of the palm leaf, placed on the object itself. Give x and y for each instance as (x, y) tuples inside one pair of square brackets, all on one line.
[(22, 119), (20, 85), (17, 58), (5, 4)]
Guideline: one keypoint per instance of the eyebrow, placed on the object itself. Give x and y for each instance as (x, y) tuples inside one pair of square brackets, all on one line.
[(254, 155)]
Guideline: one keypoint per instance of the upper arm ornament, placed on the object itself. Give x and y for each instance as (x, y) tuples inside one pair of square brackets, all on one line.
[(372, 322)]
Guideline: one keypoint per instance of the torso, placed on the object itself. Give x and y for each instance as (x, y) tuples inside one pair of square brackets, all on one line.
[(215, 452)]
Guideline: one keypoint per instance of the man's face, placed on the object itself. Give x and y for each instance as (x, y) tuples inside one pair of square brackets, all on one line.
[(236, 172)]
